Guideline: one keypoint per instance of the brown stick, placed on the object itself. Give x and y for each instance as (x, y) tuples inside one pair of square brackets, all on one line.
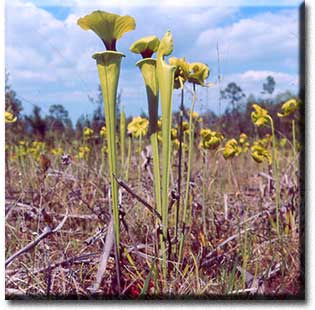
[(47, 231), (140, 199)]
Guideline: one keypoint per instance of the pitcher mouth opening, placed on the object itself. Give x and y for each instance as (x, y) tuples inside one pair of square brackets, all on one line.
[(145, 60), (108, 53)]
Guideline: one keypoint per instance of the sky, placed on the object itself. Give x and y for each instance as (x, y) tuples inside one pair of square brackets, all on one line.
[(48, 56)]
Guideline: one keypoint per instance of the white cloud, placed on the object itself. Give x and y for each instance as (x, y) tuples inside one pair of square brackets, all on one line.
[(50, 60), (264, 39), (251, 81)]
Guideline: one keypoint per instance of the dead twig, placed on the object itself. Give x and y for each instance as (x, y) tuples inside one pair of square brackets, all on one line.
[(46, 232), (140, 199), (104, 257)]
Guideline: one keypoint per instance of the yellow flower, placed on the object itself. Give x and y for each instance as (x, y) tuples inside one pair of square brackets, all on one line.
[(36, 149), (290, 107), (84, 152), (231, 149), (104, 149), (260, 154), (138, 127), (243, 138), (182, 71), (88, 132), (109, 27), (243, 142), (173, 133), (210, 140), (259, 116), (21, 150), (185, 127), (103, 132), (9, 117), (195, 116), (200, 73), (194, 73), (176, 143), (145, 46), (283, 142), (57, 151), (264, 142)]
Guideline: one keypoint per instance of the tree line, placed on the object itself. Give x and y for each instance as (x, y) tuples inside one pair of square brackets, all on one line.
[(234, 120)]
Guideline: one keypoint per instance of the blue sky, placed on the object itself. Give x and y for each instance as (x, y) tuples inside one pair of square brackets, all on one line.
[(49, 57)]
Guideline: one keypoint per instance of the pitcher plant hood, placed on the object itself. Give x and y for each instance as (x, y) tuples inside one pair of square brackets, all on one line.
[(145, 46), (108, 26)]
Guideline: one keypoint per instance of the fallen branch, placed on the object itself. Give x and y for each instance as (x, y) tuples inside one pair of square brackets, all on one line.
[(140, 199), (104, 258), (46, 232), (72, 260), (210, 254)]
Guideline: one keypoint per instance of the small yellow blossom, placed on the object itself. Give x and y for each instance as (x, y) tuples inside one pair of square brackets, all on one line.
[(289, 107), (260, 154), (103, 132), (9, 117), (138, 127), (264, 142), (283, 142), (173, 133), (58, 151), (36, 149), (185, 127), (88, 133), (259, 116), (84, 152), (210, 140), (231, 149), (243, 142), (176, 143)]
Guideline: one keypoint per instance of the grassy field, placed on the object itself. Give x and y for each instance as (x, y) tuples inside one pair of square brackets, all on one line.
[(237, 242)]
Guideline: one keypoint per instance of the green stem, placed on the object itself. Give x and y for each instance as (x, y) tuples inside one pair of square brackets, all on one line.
[(294, 139), (275, 174), (190, 147), (122, 138), (204, 193), (179, 160), (139, 163), (128, 159)]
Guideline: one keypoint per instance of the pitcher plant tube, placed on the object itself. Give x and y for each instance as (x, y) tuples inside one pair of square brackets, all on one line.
[(165, 76), (109, 27), (146, 47)]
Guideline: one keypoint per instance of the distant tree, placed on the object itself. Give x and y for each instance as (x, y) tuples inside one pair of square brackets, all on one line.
[(269, 86), (58, 120), (58, 111), (36, 123), (12, 104), (233, 94)]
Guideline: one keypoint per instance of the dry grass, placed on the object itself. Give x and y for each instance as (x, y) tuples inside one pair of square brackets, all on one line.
[(239, 254)]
